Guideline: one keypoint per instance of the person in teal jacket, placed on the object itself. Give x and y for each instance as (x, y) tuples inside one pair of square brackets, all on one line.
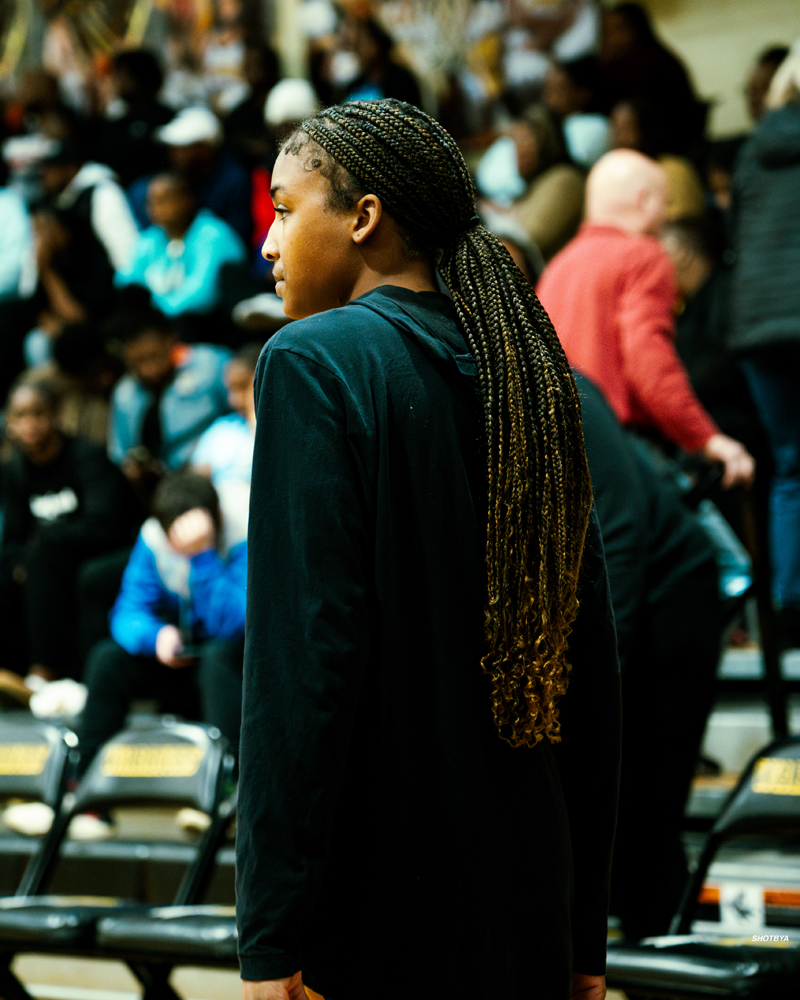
[(179, 258)]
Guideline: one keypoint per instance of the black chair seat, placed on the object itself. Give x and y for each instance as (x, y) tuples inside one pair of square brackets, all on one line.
[(53, 921), (689, 967), (202, 932)]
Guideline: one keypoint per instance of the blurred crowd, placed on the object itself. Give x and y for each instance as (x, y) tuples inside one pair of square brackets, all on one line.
[(134, 301)]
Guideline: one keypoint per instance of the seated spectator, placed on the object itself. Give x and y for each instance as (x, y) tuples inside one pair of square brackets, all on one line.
[(91, 202), (17, 282), (637, 65), (126, 139), (84, 373), (611, 295), (179, 258), (245, 130), (64, 503), (194, 149), (379, 75), (225, 451), (572, 93), (83, 233), (526, 174), (636, 124), (178, 623), (171, 393)]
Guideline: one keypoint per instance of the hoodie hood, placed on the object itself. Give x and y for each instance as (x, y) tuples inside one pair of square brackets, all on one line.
[(776, 140), (428, 318), (90, 175)]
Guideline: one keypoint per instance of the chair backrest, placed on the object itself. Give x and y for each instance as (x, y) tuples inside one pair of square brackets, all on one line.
[(166, 761), (765, 801), (33, 756), (170, 761), (767, 798)]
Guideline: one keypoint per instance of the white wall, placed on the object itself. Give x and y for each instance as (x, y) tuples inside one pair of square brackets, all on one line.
[(718, 40)]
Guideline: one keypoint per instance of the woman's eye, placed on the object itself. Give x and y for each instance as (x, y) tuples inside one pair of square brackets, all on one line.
[(280, 211)]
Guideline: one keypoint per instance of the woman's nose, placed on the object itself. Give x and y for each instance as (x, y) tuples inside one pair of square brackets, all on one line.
[(270, 249)]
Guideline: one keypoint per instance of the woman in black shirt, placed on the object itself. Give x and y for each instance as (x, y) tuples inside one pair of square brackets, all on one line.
[(63, 503)]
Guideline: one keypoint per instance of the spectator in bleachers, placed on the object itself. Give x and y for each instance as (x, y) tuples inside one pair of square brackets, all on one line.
[(638, 124), (225, 451), (379, 74), (126, 139), (83, 233), (245, 129), (760, 79), (637, 65), (17, 281), (64, 503), (171, 393), (526, 174), (696, 247), (178, 623), (573, 93), (195, 151), (766, 311), (179, 258), (611, 295)]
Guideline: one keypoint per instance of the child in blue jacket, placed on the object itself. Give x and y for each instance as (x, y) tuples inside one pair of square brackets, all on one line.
[(177, 628)]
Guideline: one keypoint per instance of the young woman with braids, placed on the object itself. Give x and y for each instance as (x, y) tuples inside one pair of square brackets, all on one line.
[(430, 735)]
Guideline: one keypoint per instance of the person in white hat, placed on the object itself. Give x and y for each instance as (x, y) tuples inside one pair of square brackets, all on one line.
[(194, 141)]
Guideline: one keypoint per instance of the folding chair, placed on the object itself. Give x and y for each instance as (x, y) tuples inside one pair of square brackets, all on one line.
[(156, 940), (686, 966), (170, 762)]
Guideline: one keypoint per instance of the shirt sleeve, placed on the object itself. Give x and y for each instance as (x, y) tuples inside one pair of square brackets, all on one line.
[(588, 757), (652, 368), (114, 224), (305, 650), (218, 589), (138, 614)]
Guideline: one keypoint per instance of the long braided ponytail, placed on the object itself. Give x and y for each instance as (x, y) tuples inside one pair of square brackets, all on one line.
[(539, 491)]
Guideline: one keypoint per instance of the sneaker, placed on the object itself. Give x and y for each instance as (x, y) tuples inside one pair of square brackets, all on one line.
[(192, 821), (32, 819), (90, 826)]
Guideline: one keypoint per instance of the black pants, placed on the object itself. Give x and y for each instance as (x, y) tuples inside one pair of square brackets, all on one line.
[(209, 692)]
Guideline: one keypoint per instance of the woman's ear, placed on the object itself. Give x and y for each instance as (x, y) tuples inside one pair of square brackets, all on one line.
[(368, 214)]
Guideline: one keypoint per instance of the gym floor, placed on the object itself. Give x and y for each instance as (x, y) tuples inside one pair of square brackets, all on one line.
[(80, 979)]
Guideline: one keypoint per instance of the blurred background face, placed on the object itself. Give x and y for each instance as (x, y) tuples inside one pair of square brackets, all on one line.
[(653, 202), (619, 37), (170, 205), (527, 150), (239, 383), (625, 130), (561, 94), (30, 420), (149, 358), (56, 176), (758, 87)]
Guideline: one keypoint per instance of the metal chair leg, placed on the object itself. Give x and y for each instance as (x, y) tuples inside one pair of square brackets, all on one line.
[(155, 980)]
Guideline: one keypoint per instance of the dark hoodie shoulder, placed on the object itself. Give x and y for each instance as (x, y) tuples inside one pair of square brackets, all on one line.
[(775, 142)]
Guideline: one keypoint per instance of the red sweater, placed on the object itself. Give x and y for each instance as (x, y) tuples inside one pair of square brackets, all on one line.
[(610, 296)]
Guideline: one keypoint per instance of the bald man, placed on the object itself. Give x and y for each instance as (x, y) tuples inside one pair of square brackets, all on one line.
[(611, 295)]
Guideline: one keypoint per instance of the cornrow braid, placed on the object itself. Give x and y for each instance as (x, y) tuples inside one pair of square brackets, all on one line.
[(539, 490)]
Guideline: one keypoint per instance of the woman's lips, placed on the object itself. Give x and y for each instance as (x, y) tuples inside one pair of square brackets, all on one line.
[(279, 287)]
